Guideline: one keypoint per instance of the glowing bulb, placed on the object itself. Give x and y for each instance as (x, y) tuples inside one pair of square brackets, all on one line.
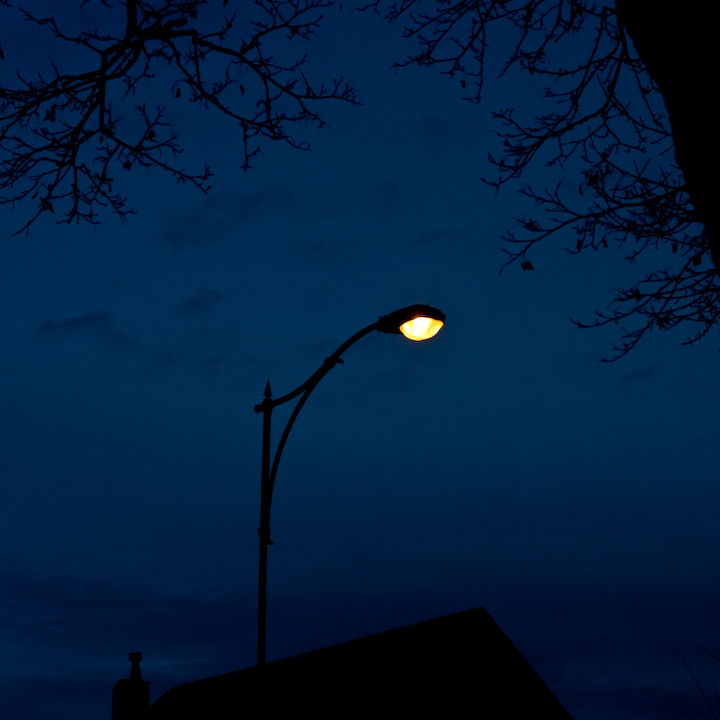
[(421, 328)]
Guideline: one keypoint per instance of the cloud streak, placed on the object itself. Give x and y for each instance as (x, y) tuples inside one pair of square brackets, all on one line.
[(98, 326), (438, 236), (644, 373), (223, 214), (202, 302)]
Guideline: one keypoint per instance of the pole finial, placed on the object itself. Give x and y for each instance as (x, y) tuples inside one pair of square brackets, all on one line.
[(268, 391)]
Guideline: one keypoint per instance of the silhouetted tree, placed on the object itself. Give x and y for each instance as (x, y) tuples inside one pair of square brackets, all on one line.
[(605, 128), (64, 134), (603, 125)]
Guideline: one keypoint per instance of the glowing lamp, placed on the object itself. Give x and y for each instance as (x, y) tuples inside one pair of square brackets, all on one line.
[(421, 328), (417, 322)]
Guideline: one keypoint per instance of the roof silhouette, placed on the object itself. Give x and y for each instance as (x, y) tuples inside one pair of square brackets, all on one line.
[(459, 665)]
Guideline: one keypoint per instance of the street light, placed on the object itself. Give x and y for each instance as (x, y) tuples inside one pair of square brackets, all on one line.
[(417, 323)]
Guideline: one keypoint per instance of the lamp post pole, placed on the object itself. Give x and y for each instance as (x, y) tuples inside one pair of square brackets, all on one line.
[(417, 322), (264, 529)]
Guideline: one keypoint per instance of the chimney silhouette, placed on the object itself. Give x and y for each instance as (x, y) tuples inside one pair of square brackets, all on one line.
[(131, 698)]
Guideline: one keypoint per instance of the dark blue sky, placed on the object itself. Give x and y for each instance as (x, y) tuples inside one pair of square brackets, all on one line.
[(500, 465)]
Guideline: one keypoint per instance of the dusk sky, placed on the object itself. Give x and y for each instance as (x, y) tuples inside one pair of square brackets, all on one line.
[(501, 464)]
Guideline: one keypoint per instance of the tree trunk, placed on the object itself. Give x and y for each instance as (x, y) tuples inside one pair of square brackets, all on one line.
[(678, 42)]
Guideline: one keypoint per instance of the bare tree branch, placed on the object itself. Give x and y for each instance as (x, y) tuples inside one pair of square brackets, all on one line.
[(603, 128), (605, 133), (63, 135)]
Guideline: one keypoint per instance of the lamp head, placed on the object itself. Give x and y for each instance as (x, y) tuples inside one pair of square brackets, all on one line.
[(417, 322)]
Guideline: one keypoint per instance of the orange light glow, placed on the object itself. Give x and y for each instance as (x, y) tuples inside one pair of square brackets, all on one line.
[(421, 328)]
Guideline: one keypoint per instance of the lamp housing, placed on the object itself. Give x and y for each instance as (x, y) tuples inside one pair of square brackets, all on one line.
[(416, 322)]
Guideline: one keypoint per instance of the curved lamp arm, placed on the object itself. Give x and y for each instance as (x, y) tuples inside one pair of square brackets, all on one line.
[(268, 404), (417, 322)]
